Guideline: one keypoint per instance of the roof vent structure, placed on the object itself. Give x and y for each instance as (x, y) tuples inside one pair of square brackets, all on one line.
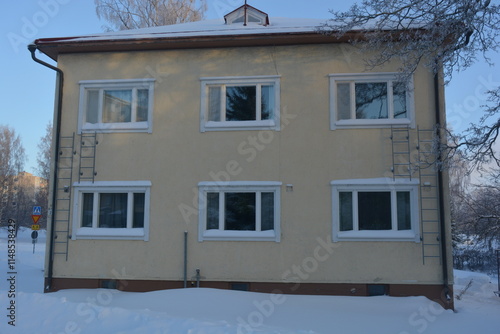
[(247, 14)]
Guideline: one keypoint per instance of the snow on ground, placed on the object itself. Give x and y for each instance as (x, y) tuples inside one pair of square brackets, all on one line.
[(211, 311)]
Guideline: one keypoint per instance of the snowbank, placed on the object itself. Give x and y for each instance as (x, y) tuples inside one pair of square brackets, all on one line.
[(207, 311)]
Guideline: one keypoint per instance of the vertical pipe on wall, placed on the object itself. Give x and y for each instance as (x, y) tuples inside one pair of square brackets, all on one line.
[(498, 270), (444, 248), (185, 258), (57, 127)]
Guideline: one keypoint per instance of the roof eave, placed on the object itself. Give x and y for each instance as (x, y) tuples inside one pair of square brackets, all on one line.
[(53, 47)]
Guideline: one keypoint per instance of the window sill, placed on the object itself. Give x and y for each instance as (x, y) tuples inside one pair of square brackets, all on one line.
[(367, 124), (88, 233), (217, 235), (377, 236), (117, 127), (239, 126)]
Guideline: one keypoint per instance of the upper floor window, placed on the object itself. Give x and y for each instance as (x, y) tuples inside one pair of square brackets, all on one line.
[(239, 211), (375, 209), (369, 100), (240, 103), (111, 210), (116, 105)]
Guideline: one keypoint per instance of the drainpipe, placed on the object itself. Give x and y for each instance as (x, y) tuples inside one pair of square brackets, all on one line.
[(446, 288), (57, 120), (185, 258)]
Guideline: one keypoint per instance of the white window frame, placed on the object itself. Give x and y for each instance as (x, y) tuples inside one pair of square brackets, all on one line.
[(101, 85), (353, 78), (270, 124), (238, 186), (94, 232), (376, 184)]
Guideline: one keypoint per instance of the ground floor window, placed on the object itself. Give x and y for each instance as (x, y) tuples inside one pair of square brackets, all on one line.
[(111, 210), (375, 209), (239, 211)]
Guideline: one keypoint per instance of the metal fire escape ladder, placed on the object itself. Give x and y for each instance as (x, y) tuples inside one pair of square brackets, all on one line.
[(62, 210), (429, 196), (424, 166), (86, 167), (401, 160)]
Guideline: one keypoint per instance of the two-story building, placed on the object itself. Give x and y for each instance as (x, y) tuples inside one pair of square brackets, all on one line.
[(250, 153)]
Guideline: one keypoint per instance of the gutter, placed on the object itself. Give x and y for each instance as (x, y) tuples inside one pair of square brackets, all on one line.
[(444, 248), (57, 120)]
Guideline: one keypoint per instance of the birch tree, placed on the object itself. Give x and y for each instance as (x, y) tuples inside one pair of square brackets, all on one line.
[(44, 153), (134, 14), (12, 159), (43, 170)]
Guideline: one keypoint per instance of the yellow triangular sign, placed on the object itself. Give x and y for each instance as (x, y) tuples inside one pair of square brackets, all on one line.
[(35, 218)]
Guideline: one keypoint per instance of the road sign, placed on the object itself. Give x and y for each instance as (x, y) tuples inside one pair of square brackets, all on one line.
[(35, 227), (35, 218), (34, 235), (37, 210)]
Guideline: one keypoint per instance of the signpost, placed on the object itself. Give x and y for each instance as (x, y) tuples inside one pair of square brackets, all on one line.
[(37, 214)]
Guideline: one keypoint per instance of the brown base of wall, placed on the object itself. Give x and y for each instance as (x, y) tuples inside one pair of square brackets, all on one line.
[(433, 292)]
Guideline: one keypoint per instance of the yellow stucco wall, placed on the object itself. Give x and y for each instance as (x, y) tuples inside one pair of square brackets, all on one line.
[(305, 153)]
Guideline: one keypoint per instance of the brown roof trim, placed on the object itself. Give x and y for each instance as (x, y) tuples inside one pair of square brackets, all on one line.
[(53, 47)]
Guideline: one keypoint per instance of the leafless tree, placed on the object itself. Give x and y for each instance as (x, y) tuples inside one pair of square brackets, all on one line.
[(12, 158), (479, 141), (43, 169), (134, 14), (25, 194), (441, 34), (475, 215), (460, 181), (44, 153)]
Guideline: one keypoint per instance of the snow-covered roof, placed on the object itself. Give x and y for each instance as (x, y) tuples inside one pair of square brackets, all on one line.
[(200, 34), (215, 27), (208, 33)]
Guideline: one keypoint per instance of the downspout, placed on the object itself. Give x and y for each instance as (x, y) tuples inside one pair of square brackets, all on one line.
[(60, 81), (185, 259), (444, 248)]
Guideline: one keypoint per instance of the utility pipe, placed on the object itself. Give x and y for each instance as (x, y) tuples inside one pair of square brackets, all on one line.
[(57, 120), (444, 249), (498, 270), (185, 259)]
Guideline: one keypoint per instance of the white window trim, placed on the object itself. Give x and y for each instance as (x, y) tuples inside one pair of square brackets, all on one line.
[(272, 124), (238, 186), (376, 184), (146, 126), (110, 233), (369, 123)]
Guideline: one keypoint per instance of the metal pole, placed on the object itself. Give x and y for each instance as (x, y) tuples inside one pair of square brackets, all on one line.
[(442, 229), (185, 258), (498, 270), (57, 126)]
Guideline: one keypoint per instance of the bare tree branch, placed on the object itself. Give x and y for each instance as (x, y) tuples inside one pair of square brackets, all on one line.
[(134, 14), (440, 34)]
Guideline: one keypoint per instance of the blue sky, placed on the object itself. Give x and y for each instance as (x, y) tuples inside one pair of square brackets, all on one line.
[(27, 88)]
